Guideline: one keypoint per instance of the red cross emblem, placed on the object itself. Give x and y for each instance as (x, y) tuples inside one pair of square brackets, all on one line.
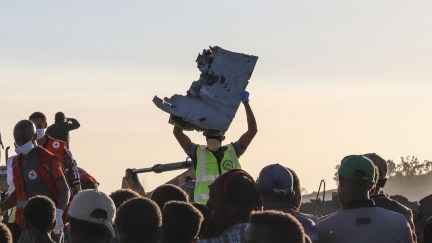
[(56, 144), (32, 175)]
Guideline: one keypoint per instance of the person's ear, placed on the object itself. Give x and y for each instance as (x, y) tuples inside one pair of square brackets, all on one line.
[(45, 124), (34, 138), (292, 194)]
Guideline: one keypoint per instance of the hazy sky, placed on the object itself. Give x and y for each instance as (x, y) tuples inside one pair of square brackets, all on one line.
[(333, 78)]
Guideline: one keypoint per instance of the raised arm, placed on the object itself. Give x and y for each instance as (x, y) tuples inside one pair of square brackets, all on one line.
[(72, 172), (247, 137), (72, 123), (182, 138)]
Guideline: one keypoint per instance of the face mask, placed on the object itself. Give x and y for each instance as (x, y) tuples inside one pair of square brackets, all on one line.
[(24, 149), (213, 144), (40, 133)]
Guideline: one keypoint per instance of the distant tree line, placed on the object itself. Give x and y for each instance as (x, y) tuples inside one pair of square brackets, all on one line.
[(407, 167)]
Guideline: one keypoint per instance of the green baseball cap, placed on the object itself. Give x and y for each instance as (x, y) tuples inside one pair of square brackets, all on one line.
[(357, 167)]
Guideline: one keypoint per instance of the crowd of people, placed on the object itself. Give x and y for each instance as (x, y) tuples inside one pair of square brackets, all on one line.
[(51, 199)]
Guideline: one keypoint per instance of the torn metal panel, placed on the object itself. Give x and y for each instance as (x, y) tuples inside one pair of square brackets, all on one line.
[(212, 101)]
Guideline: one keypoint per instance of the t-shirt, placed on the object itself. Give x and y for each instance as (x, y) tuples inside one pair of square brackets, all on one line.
[(363, 222), (60, 130)]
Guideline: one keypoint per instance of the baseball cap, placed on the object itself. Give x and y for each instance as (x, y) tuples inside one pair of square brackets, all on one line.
[(379, 162), (86, 205), (357, 167), (275, 178)]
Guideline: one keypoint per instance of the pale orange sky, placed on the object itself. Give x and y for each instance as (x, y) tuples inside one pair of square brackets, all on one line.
[(332, 79)]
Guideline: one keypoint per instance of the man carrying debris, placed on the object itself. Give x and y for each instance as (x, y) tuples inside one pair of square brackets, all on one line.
[(212, 160)]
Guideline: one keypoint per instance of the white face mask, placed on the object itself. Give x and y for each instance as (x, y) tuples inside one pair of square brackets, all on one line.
[(24, 149), (40, 133), (213, 144)]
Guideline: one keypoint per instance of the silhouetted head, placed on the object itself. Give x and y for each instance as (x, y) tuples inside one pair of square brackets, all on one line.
[(39, 214), (138, 220), (168, 192), (38, 115), (274, 227), (24, 131), (181, 222), (5, 234), (356, 177), (122, 195), (39, 119), (233, 196), (382, 166), (276, 184), (206, 213), (59, 117)]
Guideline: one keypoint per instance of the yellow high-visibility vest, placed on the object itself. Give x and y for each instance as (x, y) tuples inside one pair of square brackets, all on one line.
[(207, 170)]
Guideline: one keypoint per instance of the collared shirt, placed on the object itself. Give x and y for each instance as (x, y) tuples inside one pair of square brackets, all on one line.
[(361, 221), (234, 234)]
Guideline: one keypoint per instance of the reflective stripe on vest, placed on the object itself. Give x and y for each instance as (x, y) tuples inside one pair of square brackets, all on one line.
[(208, 170), (203, 197)]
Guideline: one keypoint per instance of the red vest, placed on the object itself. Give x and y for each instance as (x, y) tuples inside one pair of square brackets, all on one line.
[(56, 147), (44, 166)]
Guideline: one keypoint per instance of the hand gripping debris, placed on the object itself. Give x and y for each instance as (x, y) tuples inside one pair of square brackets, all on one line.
[(212, 100)]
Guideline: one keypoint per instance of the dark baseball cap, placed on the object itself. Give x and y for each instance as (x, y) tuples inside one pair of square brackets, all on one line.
[(275, 178)]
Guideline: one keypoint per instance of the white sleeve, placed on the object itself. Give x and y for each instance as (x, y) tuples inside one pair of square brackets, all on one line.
[(9, 175)]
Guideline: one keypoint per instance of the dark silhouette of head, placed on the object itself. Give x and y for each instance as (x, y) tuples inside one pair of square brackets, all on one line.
[(233, 196), (206, 213), (382, 166), (138, 220), (5, 234), (38, 115), (356, 178), (166, 193), (39, 214), (181, 222), (59, 117), (276, 184), (274, 227), (24, 131), (122, 195)]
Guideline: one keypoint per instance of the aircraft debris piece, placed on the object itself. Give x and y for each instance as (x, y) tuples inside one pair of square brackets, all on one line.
[(211, 101)]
